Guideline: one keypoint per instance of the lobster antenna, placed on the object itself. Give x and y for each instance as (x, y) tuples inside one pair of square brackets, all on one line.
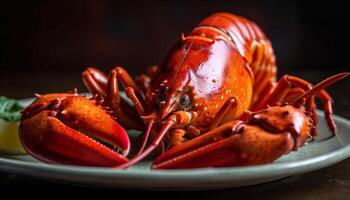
[(151, 147), (320, 86), (146, 136)]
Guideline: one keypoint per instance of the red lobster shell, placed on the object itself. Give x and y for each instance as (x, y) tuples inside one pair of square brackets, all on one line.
[(214, 101)]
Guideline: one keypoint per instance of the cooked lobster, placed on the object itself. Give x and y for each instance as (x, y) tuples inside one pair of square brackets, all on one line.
[(213, 101)]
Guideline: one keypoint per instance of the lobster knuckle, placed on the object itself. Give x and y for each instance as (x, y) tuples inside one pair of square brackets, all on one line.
[(281, 118), (42, 102)]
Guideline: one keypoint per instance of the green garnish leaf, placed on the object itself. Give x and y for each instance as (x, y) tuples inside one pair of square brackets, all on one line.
[(10, 109)]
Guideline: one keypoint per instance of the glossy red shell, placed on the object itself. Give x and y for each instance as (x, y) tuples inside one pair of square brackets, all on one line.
[(210, 64)]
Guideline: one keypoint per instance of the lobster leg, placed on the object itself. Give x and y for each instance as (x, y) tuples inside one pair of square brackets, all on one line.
[(229, 108), (107, 88), (150, 124), (95, 81), (277, 95), (293, 94), (311, 109), (328, 110), (143, 80), (323, 95), (132, 92), (267, 90)]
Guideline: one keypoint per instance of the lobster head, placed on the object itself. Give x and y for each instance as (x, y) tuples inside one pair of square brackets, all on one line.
[(186, 80)]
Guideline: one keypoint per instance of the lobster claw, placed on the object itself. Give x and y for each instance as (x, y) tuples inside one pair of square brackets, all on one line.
[(69, 129), (260, 141)]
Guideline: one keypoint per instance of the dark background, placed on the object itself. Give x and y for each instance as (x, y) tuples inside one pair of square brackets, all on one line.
[(57, 40), (45, 45)]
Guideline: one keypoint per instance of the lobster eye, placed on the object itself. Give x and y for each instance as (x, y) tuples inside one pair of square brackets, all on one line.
[(184, 100)]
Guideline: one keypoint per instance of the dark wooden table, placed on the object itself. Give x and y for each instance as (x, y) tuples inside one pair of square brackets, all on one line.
[(328, 183)]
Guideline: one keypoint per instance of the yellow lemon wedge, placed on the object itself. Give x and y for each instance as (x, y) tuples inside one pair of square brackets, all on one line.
[(9, 139), (10, 114)]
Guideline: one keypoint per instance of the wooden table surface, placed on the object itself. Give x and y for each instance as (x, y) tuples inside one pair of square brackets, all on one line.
[(328, 183)]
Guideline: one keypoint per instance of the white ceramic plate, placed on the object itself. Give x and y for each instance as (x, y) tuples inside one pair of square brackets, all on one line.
[(318, 154)]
